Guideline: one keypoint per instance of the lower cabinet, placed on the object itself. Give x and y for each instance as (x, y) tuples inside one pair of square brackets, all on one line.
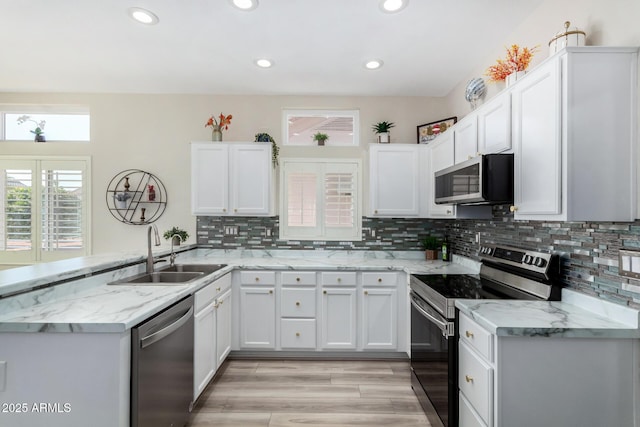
[(211, 331), (258, 310), (379, 319), (338, 327)]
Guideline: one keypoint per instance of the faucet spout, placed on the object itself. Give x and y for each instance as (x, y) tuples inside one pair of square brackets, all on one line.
[(172, 258), (149, 252)]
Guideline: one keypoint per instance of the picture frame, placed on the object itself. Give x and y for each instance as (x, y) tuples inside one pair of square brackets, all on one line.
[(428, 131)]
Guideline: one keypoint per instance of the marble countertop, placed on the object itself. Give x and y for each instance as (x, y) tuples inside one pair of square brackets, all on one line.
[(89, 304), (576, 316)]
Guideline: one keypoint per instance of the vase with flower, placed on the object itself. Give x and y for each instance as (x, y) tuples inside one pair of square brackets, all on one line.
[(218, 124), (38, 131), (513, 67)]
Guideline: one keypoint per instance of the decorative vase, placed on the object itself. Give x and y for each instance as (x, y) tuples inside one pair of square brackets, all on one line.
[(431, 254), (384, 138), (216, 135), (175, 240), (120, 204), (514, 77), (40, 138)]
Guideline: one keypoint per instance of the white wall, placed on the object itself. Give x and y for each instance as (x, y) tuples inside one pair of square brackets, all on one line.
[(152, 133)]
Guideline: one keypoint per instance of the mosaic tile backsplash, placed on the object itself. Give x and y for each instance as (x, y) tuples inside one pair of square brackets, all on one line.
[(589, 251)]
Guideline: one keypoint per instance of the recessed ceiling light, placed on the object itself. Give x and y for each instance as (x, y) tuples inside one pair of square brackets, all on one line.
[(264, 63), (392, 6), (245, 4), (374, 64), (143, 16)]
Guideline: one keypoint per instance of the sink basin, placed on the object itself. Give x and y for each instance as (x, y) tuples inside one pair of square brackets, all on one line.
[(160, 278), (198, 268)]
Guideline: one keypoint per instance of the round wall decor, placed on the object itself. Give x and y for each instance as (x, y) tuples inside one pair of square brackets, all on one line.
[(136, 197)]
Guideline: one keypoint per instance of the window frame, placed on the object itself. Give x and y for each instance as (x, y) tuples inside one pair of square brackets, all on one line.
[(352, 113), (37, 164), (320, 232), (30, 109)]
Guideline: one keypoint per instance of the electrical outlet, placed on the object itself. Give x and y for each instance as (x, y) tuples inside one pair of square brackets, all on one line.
[(629, 263), (478, 237)]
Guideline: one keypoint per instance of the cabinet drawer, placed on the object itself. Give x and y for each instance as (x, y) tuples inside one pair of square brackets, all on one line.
[(475, 381), (338, 278), (300, 278), (380, 279), (468, 416), (298, 302), (258, 278), (476, 336), (298, 333), (206, 295)]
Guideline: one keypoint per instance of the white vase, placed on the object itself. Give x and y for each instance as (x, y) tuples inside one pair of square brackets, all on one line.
[(384, 138), (514, 77)]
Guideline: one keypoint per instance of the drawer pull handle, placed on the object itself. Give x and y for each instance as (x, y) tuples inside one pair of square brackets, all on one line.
[(469, 334), (379, 279), (297, 279), (468, 378), (297, 334), (270, 291), (298, 303)]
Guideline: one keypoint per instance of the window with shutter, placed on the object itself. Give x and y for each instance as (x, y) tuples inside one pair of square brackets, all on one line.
[(320, 200)]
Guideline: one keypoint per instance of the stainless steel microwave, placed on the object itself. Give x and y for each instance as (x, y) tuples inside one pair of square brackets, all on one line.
[(484, 180)]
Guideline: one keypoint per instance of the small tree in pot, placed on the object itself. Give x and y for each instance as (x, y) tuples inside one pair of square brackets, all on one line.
[(431, 245), (173, 233), (382, 130), (320, 137)]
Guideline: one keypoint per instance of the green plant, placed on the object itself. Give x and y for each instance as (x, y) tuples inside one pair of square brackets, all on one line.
[(430, 243), (382, 127), (319, 136), (275, 150), (175, 230)]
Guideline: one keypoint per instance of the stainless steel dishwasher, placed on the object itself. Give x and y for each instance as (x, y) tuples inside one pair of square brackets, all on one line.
[(162, 368)]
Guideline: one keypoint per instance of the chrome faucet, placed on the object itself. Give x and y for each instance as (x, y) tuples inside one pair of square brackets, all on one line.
[(150, 260), (172, 258)]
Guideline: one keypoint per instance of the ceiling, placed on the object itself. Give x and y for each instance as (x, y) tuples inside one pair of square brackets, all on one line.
[(208, 47)]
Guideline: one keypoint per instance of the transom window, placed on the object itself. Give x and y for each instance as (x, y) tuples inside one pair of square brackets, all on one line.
[(55, 123), (340, 126)]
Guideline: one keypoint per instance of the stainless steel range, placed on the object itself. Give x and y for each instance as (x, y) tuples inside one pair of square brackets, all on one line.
[(506, 273)]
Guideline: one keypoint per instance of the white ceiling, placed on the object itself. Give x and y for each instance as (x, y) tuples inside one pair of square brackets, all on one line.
[(207, 46)]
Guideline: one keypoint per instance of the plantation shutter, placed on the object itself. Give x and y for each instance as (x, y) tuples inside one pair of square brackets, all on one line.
[(16, 211)]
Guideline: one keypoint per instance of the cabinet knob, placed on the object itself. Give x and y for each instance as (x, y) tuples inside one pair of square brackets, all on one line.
[(297, 334), (220, 302), (216, 305), (375, 212), (448, 211), (379, 279), (297, 303), (217, 289), (469, 334), (513, 208), (257, 279), (297, 279), (468, 378), (270, 291), (235, 210), (478, 154), (224, 210), (339, 280), (366, 292), (469, 157), (324, 292)]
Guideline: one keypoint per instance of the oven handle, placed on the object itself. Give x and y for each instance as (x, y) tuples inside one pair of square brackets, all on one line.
[(443, 326)]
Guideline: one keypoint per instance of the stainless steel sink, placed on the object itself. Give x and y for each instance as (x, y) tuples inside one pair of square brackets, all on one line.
[(198, 268), (160, 278)]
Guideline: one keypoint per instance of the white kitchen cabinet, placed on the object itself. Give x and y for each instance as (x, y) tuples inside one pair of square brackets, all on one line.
[(338, 328), (441, 155), (379, 318), (231, 179), (394, 180), (257, 309), (525, 381), (494, 124), (465, 137), (574, 124), (211, 331)]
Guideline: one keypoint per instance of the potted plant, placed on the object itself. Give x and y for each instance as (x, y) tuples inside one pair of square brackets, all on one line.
[(431, 245), (120, 199), (320, 137), (218, 125), (38, 131), (177, 234), (275, 150), (382, 130)]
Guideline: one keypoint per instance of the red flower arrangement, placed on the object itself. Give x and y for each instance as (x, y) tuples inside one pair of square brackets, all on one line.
[(223, 122), (517, 60)]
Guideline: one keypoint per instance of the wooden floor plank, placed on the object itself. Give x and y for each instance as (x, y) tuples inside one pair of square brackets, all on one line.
[(342, 420), (210, 419), (310, 405)]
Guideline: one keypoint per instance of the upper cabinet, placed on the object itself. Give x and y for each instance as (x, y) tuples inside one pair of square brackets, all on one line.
[(494, 125), (574, 123), (394, 173), (231, 179), (465, 138)]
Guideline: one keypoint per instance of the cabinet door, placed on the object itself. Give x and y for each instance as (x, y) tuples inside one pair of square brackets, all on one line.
[(465, 136), (338, 328), (393, 180), (209, 179), (537, 142), (494, 125), (204, 348), (223, 327), (257, 317), (441, 156), (379, 318), (250, 172)]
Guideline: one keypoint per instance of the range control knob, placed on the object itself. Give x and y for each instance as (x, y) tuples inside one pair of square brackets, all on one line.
[(540, 262), (528, 259)]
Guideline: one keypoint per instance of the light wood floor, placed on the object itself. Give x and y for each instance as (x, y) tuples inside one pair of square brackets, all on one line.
[(285, 393)]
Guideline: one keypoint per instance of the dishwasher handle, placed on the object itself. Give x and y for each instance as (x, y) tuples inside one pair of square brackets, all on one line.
[(167, 330)]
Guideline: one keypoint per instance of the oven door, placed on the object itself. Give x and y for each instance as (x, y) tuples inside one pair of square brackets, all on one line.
[(434, 363)]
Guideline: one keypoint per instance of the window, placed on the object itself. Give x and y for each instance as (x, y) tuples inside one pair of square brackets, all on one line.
[(44, 207), (341, 126), (319, 200), (61, 122)]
